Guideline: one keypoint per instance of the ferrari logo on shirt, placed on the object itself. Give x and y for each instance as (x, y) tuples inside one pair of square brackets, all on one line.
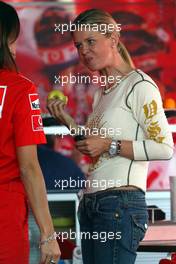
[(2, 97), (37, 124), (150, 110), (34, 101)]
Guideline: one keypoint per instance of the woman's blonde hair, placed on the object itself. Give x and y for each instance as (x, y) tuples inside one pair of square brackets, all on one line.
[(100, 17)]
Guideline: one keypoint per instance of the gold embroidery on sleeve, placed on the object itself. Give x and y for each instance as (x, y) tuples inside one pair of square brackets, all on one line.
[(154, 131), (150, 110), (153, 128)]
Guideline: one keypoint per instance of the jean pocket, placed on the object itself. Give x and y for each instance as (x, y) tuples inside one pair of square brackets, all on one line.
[(108, 206), (139, 228)]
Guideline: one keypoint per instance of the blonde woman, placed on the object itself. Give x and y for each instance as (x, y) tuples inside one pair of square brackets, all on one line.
[(115, 216)]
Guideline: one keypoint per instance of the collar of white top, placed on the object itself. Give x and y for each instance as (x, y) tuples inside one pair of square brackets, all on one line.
[(108, 90)]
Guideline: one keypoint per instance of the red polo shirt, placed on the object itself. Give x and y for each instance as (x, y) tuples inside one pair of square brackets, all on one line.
[(20, 121)]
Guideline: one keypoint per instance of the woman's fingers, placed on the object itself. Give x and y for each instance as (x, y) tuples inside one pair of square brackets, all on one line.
[(50, 251), (81, 143), (43, 258), (48, 259), (56, 108), (50, 104), (84, 148), (92, 146)]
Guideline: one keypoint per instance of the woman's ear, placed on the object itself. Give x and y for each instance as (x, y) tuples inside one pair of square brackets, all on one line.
[(12, 48), (114, 39)]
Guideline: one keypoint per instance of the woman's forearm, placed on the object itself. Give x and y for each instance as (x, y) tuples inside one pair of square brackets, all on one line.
[(126, 150), (144, 150), (151, 150), (36, 192), (71, 124)]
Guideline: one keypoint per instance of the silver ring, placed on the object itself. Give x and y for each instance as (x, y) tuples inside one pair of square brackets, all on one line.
[(53, 262)]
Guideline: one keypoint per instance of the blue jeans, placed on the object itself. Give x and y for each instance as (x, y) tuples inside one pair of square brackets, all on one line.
[(112, 223)]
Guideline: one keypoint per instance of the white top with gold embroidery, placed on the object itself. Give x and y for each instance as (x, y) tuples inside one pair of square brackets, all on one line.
[(135, 110)]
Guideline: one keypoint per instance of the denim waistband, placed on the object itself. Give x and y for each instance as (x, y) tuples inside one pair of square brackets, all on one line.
[(125, 194)]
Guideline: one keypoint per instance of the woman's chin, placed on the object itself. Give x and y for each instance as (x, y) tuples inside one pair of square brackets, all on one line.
[(93, 67)]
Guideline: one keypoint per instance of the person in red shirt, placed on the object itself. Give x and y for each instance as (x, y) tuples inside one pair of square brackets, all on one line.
[(21, 179)]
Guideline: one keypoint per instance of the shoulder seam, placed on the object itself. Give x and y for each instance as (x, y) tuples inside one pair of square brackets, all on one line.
[(133, 89), (140, 74)]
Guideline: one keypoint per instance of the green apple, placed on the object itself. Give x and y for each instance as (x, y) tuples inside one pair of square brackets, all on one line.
[(56, 94)]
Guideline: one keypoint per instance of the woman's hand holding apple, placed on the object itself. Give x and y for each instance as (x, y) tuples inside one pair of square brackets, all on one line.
[(56, 103)]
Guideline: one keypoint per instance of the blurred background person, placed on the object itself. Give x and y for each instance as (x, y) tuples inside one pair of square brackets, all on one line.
[(58, 168)]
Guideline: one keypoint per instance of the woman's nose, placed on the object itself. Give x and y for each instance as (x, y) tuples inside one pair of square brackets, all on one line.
[(84, 49)]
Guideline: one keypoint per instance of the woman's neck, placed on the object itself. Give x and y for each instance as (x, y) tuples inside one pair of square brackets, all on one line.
[(116, 71)]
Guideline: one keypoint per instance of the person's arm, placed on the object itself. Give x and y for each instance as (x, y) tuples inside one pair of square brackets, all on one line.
[(56, 109), (94, 146), (147, 108), (33, 181), (28, 132), (146, 105)]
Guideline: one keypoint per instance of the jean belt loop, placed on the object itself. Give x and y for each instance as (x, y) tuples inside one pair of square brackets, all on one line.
[(125, 198), (94, 201)]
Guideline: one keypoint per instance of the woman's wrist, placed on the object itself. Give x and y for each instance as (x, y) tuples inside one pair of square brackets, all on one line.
[(44, 233), (46, 239), (107, 143), (71, 124)]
